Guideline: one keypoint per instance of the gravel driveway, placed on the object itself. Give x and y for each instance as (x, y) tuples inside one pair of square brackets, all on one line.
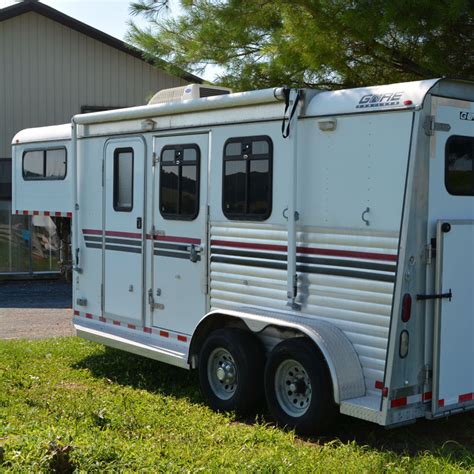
[(35, 309)]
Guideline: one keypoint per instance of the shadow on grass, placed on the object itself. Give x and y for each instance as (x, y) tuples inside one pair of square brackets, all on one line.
[(452, 437)]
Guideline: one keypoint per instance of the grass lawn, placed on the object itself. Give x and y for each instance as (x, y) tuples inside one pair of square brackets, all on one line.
[(68, 404)]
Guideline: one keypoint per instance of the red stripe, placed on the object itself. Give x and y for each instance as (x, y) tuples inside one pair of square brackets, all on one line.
[(69, 214), (57, 214), (398, 402), (88, 315), (308, 250), (36, 213), (147, 330), (17, 212), (116, 323), (182, 338), (131, 326), (115, 233), (441, 403), (465, 397), (427, 396), (25, 213), (102, 319), (378, 384), (172, 238), (76, 313), (164, 333), (92, 231), (46, 213)]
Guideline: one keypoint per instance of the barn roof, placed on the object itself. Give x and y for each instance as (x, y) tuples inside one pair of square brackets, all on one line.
[(35, 6)]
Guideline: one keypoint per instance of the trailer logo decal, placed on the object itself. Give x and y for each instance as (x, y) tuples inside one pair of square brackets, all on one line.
[(379, 100), (466, 116)]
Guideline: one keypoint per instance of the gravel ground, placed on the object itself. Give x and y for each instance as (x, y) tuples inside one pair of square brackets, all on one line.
[(35, 309)]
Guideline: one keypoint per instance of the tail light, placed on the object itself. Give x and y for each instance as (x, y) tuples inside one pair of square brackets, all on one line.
[(404, 338), (406, 307)]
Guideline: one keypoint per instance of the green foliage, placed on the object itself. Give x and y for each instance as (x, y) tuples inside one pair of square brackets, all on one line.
[(68, 405), (325, 43)]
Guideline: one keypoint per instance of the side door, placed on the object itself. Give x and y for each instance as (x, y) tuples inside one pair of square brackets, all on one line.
[(123, 230), (451, 224), (179, 265)]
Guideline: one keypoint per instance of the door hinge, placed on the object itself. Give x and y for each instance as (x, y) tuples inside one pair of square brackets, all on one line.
[(102, 296), (155, 158), (432, 126), (103, 172), (430, 252)]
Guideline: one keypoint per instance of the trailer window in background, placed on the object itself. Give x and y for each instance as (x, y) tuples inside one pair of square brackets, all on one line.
[(459, 165), (48, 164), (179, 182), (123, 179), (247, 181)]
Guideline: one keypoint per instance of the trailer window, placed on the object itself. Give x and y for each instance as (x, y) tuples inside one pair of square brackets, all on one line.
[(459, 165), (123, 179), (44, 164), (247, 181), (179, 182)]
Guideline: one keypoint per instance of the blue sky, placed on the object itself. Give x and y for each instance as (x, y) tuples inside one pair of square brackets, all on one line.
[(110, 16)]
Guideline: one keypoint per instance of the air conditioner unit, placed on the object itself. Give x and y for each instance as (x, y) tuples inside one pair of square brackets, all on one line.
[(190, 91)]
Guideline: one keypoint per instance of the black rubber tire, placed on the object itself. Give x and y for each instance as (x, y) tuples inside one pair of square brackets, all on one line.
[(321, 409), (249, 359)]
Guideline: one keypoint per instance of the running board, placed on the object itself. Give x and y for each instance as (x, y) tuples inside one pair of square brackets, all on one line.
[(143, 345), (365, 408)]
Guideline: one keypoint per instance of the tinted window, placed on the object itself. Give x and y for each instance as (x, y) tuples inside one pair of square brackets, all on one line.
[(45, 164), (179, 182), (123, 179), (459, 169), (247, 181), (5, 179)]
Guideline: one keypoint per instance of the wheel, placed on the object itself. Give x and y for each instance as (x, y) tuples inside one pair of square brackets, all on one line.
[(231, 363), (298, 388)]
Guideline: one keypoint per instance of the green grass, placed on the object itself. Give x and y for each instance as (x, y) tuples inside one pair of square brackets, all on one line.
[(68, 404)]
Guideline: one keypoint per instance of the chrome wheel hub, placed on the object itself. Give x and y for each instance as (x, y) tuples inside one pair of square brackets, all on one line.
[(293, 388), (222, 373)]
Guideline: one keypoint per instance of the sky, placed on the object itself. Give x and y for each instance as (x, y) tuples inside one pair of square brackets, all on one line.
[(109, 16)]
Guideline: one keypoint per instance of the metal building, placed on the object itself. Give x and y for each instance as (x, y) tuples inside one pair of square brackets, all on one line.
[(52, 67)]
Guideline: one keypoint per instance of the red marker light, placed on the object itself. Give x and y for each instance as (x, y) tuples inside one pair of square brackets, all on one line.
[(406, 307), (407, 102)]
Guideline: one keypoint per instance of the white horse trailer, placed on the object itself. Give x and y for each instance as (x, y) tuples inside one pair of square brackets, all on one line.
[(330, 266)]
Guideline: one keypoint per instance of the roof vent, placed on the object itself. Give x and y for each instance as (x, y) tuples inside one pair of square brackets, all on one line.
[(190, 91)]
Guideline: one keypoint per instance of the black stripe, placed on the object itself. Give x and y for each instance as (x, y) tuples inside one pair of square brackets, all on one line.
[(113, 240), (92, 238), (94, 246), (307, 269), (161, 245), (123, 249), (381, 267), (184, 255)]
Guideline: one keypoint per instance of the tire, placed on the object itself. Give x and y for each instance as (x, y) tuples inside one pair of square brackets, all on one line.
[(298, 388), (231, 363)]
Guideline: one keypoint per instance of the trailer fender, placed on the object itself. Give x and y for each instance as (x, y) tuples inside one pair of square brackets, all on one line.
[(340, 356)]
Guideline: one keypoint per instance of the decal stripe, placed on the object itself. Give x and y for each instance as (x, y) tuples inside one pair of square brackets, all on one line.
[(308, 250)]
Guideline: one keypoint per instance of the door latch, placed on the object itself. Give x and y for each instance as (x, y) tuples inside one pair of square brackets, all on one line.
[(139, 222), (194, 251), (440, 296)]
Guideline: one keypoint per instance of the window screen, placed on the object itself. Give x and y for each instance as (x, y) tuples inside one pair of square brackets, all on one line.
[(247, 181), (123, 179), (179, 182), (459, 165), (5, 179), (45, 164)]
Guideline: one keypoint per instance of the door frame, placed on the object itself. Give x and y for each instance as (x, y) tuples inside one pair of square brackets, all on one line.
[(125, 140)]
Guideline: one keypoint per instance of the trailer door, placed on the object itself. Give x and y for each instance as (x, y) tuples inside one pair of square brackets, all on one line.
[(451, 223), (179, 298), (123, 232)]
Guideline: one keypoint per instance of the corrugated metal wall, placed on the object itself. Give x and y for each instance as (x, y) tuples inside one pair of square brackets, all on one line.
[(49, 71)]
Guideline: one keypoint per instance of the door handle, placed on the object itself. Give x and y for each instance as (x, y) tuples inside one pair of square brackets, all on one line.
[(139, 222), (194, 251)]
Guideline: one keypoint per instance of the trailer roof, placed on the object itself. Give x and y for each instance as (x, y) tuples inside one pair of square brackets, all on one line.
[(369, 99), (41, 134)]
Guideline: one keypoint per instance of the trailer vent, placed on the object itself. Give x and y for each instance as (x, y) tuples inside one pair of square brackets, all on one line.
[(191, 91)]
